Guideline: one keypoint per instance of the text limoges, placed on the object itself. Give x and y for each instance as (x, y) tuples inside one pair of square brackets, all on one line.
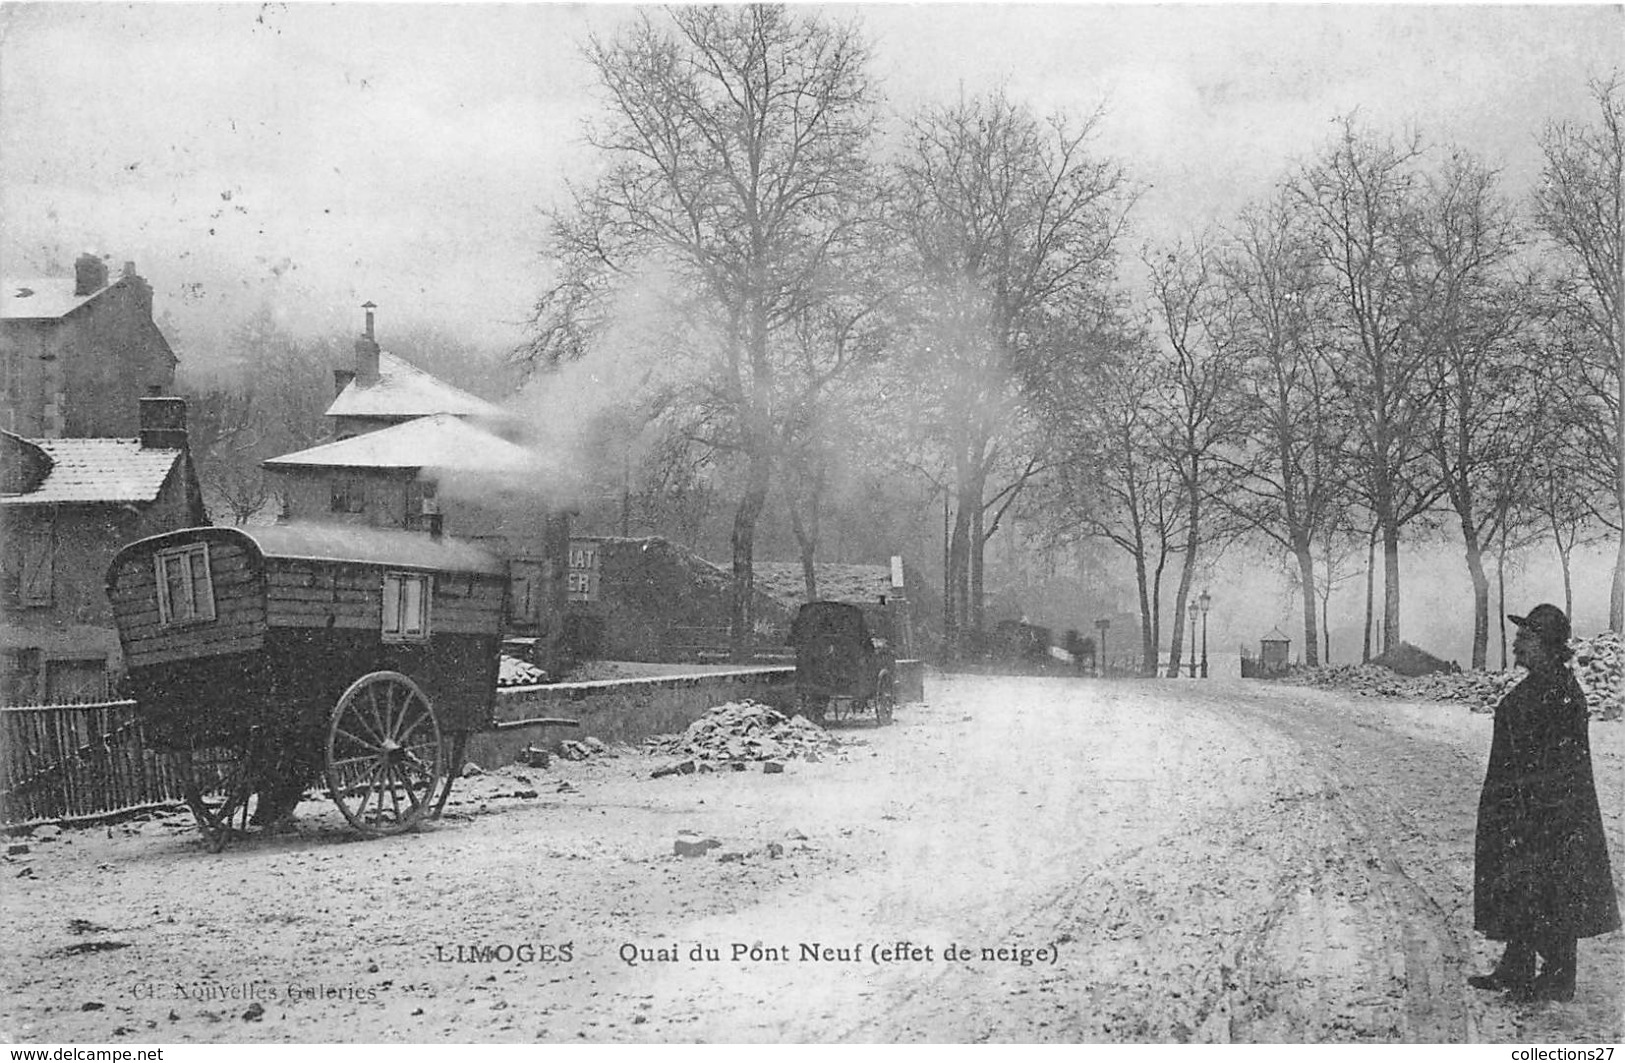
[(505, 952)]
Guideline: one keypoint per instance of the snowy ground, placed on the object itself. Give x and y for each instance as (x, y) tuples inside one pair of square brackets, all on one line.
[(1118, 861)]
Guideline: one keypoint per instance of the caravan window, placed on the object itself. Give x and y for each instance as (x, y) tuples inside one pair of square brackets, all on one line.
[(185, 589), (406, 607)]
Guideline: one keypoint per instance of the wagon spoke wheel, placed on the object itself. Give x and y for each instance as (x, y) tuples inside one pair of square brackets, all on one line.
[(219, 784), (385, 756), (456, 755)]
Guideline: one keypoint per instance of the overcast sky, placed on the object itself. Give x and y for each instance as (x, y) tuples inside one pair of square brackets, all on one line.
[(312, 157)]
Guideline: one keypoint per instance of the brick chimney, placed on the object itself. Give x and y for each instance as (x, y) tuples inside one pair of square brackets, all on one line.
[(138, 285), (366, 352), (163, 423), (89, 274)]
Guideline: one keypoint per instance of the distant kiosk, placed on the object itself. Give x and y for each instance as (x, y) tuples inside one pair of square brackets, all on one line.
[(1274, 656)]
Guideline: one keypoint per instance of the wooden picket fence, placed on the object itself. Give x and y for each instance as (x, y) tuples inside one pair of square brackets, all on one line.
[(67, 762)]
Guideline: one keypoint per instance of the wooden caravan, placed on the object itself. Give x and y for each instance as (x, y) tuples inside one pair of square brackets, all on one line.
[(275, 655)]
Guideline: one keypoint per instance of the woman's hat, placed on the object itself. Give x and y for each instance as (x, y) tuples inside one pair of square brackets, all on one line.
[(1548, 622)]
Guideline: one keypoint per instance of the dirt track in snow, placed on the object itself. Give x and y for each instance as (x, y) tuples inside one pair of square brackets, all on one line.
[(1175, 861)]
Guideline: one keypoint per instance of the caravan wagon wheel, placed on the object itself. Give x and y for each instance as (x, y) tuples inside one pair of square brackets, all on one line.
[(385, 757), (219, 784)]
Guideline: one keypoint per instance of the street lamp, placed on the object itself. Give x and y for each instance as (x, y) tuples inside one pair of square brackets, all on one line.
[(1207, 603), (1102, 624), (1192, 611)]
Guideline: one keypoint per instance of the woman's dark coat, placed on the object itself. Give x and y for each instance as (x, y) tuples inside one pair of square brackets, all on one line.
[(1541, 860)]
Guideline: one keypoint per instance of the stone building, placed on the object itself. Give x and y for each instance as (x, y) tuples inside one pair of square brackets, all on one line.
[(76, 352), (411, 451), (66, 507), (649, 599), (382, 390)]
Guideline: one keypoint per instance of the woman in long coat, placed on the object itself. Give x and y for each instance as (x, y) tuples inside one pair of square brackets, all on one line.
[(1541, 878)]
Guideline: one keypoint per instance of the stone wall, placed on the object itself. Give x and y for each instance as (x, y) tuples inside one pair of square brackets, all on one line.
[(623, 710)]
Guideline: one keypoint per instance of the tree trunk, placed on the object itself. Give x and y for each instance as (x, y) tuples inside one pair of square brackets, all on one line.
[(958, 581), (1616, 598), (1326, 628), (1390, 584), (1187, 574), (1176, 643), (1565, 556), (1370, 592), (807, 543), (1481, 598), (1501, 597), (741, 624), (1148, 632), (978, 559), (948, 626), (1306, 577)]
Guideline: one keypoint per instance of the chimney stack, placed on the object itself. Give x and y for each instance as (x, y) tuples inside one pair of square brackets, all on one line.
[(366, 352), (139, 286), (163, 423), (89, 274)]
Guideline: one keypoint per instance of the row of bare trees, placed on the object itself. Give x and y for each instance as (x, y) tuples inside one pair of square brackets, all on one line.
[(1387, 343), (810, 295), (1384, 345)]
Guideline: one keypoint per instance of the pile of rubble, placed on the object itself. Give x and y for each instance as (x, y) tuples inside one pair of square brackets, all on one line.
[(513, 672), (745, 731), (1598, 663)]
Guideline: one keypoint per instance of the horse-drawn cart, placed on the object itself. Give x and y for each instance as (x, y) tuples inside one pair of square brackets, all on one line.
[(274, 657), (842, 668)]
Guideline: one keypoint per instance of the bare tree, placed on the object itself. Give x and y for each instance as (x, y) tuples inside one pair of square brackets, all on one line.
[(1359, 197), (1487, 387), (1335, 565), (1288, 481), (825, 404), (1581, 207), (736, 149), (268, 400), (1195, 411), (1007, 219), (1116, 484)]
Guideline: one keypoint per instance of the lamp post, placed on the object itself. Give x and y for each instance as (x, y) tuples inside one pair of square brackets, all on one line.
[(1206, 601), (1191, 612), (1102, 624)]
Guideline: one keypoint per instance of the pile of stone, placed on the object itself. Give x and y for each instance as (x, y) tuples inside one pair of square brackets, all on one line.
[(1598, 663), (743, 731), (513, 672)]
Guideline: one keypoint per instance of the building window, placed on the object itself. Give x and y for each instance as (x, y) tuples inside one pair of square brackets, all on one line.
[(36, 561), (406, 607), (422, 506), (349, 496), (185, 591)]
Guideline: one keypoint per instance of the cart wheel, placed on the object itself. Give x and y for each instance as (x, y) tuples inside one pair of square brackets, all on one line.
[(219, 786), (456, 757), (384, 754)]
